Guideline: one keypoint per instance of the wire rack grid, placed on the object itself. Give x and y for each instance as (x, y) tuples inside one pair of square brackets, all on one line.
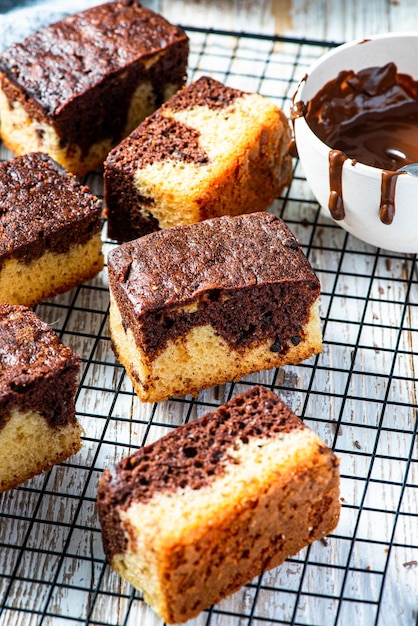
[(359, 395)]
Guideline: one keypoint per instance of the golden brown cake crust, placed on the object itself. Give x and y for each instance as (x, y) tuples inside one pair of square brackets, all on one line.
[(203, 510)]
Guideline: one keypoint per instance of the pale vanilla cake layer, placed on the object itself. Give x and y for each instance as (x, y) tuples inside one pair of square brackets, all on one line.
[(202, 358), (51, 274), (210, 150), (202, 511), (32, 446)]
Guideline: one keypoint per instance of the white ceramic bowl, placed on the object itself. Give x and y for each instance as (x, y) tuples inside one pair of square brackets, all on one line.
[(361, 184)]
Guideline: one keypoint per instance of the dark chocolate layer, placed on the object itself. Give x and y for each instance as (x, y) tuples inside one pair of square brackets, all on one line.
[(43, 207), (81, 72), (37, 372), (192, 456), (247, 275), (204, 92), (158, 138)]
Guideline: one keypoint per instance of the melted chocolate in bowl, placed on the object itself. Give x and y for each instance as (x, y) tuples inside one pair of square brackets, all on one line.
[(370, 117)]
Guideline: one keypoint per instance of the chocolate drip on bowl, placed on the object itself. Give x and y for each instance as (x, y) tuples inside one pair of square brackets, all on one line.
[(387, 202), (335, 203)]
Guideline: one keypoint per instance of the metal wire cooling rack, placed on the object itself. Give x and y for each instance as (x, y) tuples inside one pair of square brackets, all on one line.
[(360, 395)]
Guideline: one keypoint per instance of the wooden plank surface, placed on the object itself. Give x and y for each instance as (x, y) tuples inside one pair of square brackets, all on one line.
[(360, 395), (332, 20)]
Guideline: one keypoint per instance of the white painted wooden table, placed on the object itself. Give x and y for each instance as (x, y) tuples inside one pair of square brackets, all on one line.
[(360, 395)]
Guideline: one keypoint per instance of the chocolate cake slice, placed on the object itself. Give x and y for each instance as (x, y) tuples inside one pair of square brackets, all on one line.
[(199, 305), (205, 509), (211, 150), (38, 382), (50, 230), (75, 88)]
